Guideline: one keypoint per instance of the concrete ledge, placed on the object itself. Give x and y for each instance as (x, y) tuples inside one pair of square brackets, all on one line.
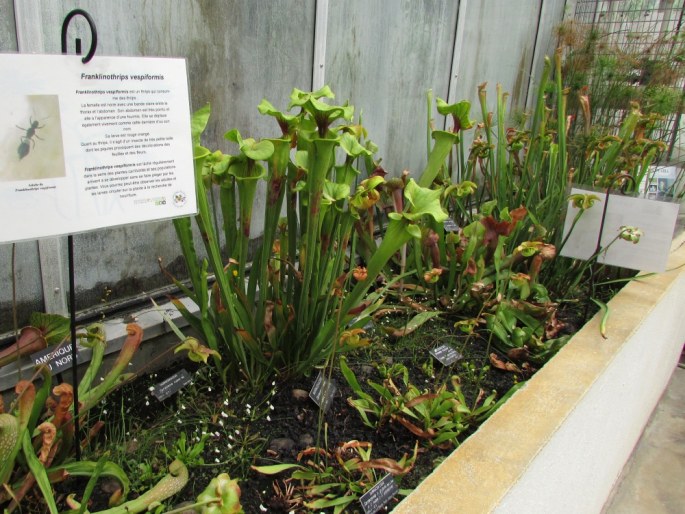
[(560, 443), (150, 356)]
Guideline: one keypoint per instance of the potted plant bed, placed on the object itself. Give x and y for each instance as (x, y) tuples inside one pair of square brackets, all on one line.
[(563, 439)]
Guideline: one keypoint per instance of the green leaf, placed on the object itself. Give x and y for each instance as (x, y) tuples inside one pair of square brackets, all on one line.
[(604, 308), (332, 192), (39, 473), (324, 503), (265, 107), (459, 111), (200, 152), (92, 481), (299, 97), (55, 328), (414, 231), (350, 376), (301, 158), (423, 201), (275, 469), (234, 135), (257, 150), (197, 352), (351, 145), (198, 122), (412, 324)]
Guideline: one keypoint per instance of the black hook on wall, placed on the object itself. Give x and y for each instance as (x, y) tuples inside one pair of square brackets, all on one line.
[(93, 32)]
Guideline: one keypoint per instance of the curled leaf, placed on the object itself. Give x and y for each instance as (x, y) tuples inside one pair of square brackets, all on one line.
[(505, 366), (197, 352)]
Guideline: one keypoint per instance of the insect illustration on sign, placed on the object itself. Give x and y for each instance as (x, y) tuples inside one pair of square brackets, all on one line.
[(27, 140)]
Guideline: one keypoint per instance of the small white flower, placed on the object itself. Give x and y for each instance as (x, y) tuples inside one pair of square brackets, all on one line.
[(221, 422), (104, 411), (230, 446), (209, 389), (179, 421), (216, 459), (226, 401), (271, 407), (268, 418), (183, 407), (217, 434), (273, 383), (248, 406), (151, 388), (223, 414), (216, 450), (263, 508), (237, 432), (147, 403)]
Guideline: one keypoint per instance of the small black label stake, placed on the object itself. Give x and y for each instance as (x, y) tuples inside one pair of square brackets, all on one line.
[(322, 392), (171, 385), (446, 354), (450, 226), (380, 494)]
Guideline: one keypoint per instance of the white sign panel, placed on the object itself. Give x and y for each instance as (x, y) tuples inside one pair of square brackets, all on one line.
[(660, 181), (655, 219), (88, 146)]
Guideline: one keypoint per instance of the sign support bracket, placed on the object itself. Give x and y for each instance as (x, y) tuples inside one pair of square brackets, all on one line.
[(70, 238)]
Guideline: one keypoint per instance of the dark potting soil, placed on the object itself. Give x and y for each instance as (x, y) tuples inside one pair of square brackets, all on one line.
[(239, 428)]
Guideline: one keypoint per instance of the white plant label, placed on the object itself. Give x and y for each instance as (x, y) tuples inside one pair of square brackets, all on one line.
[(655, 219), (89, 146)]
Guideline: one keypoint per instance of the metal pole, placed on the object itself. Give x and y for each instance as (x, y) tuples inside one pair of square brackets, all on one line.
[(70, 238)]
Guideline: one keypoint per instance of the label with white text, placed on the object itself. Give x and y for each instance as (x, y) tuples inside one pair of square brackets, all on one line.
[(322, 392), (380, 494), (445, 354), (59, 358), (171, 385)]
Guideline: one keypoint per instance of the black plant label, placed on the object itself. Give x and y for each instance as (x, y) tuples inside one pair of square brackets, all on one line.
[(322, 392), (446, 354), (171, 385), (380, 494), (450, 225)]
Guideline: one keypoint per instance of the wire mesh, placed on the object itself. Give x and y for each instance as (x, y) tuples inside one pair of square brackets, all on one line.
[(646, 37)]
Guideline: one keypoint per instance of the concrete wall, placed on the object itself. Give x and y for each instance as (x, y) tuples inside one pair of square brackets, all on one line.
[(382, 55)]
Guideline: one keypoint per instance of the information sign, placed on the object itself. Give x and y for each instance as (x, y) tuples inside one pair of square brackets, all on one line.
[(89, 146), (655, 220)]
